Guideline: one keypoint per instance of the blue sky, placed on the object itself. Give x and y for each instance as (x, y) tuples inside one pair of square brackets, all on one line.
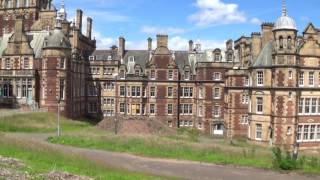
[(210, 22)]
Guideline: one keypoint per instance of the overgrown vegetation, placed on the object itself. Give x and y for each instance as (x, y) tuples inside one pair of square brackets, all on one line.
[(157, 147), (41, 159), (40, 123), (285, 161)]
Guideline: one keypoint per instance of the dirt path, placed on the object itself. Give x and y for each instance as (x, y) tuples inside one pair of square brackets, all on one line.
[(170, 168)]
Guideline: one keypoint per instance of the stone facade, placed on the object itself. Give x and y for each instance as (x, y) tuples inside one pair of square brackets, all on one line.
[(264, 87)]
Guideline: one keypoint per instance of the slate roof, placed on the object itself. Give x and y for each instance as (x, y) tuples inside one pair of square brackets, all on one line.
[(265, 57), (57, 39)]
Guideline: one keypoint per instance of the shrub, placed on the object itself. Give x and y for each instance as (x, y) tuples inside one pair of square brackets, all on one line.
[(283, 161)]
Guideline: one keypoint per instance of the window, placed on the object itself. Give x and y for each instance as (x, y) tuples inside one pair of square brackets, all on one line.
[(290, 96), (110, 86), (200, 111), (122, 108), (137, 72), (307, 106), (311, 78), (301, 79), (131, 58), (170, 92), (186, 109), (152, 91), (258, 131), (245, 99), (199, 125), (187, 75), (244, 119), (186, 92), (230, 56), (260, 78), (26, 63), (122, 74), (170, 109), (62, 63), (290, 74), (216, 76), (289, 44), (62, 89), (259, 105), (170, 74), (92, 107), (246, 81), (313, 106), (122, 91), (299, 133), (216, 93), (24, 88), (135, 91), (300, 106), (153, 74), (216, 111), (201, 94), (217, 57), (308, 132), (281, 42), (152, 109), (7, 63)]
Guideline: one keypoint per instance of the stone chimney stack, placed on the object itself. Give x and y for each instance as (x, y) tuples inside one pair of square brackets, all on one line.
[(191, 46), (256, 45), (89, 27), (162, 40), (149, 44), (79, 19), (122, 47), (267, 34)]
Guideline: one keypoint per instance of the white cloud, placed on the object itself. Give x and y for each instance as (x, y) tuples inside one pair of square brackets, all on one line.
[(162, 30), (216, 12), (256, 21)]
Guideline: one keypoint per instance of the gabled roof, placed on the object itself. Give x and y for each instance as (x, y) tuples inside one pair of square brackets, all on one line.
[(265, 57), (310, 29)]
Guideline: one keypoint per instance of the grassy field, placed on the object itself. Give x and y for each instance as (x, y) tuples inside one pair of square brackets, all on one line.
[(185, 145), (42, 123), (40, 159)]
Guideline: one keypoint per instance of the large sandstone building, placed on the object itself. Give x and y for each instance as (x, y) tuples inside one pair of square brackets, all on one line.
[(264, 87)]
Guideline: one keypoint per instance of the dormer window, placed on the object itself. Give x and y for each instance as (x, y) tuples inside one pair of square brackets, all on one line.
[(131, 59), (216, 57), (91, 58), (122, 74), (137, 72), (187, 75), (230, 57), (109, 58)]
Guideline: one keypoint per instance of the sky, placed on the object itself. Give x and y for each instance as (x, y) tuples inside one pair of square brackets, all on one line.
[(208, 22)]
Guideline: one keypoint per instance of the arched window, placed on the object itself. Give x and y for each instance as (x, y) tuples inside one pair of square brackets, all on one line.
[(281, 42), (289, 42)]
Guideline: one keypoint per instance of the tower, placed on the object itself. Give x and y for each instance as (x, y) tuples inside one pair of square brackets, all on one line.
[(285, 76)]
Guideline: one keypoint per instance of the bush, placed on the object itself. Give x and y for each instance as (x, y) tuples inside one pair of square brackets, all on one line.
[(283, 161)]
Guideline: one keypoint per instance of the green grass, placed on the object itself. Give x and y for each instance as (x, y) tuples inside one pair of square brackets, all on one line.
[(41, 159), (39, 123), (156, 147)]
